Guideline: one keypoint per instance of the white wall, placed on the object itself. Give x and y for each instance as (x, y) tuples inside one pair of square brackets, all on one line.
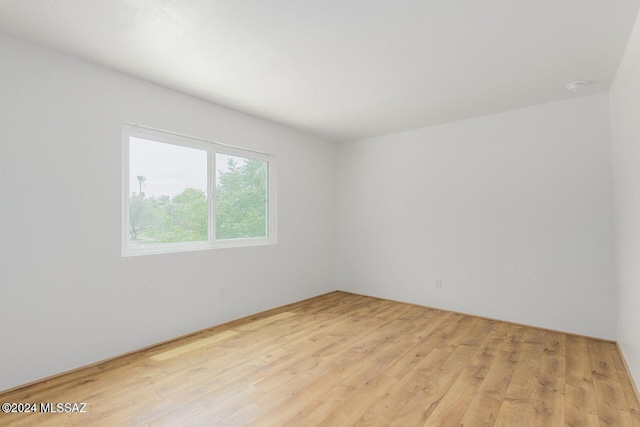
[(513, 211), (67, 297), (625, 113)]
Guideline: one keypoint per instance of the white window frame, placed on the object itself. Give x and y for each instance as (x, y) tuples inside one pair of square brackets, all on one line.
[(212, 148)]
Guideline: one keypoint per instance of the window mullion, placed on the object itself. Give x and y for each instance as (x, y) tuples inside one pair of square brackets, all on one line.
[(212, 196)]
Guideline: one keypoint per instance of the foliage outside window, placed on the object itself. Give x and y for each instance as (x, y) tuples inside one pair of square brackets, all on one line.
[(186, 194)]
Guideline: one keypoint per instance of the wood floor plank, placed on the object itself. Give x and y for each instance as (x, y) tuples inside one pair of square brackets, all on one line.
[(486, 404), (342, 359), (455, 403), (549, 395), (204, 342), (354, 407), (626, 384), (340, 363), (319, 344), (411, 378), (322, 348), (610, 400), (580, 407), (350, 389), (519, 406), (438, 382)]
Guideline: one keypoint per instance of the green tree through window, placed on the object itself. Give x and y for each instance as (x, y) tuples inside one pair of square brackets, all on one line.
[(241, 208), (241, 199), (182, 218)]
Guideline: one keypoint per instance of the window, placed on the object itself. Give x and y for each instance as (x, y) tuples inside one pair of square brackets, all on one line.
[(184, 194)]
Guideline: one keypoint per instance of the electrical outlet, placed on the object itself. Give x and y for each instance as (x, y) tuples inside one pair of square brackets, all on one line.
[(438, 283), (223, 293)]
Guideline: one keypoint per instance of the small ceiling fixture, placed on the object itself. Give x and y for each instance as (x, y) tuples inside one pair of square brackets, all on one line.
[(574, 86)]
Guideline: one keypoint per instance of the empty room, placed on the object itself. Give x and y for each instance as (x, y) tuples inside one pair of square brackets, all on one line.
[(336, 213)]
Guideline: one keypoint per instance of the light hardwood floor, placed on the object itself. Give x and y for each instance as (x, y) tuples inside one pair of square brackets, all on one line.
[(343, 359)]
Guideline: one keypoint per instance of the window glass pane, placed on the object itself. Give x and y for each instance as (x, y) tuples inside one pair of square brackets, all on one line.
[(168, 193), (241, 197)]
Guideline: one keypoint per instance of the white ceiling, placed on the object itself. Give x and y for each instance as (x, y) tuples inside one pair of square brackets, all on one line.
[(344, 69)]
